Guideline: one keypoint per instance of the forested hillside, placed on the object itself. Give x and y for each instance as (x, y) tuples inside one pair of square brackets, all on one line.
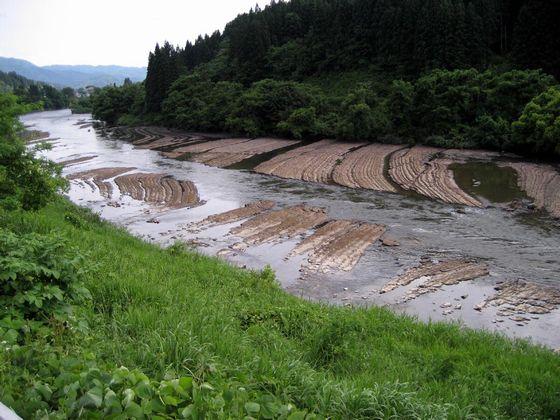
[(461, 73), (30, 91)]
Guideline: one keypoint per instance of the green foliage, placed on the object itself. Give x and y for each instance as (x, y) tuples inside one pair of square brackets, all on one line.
[(73, 389), (26, 181), (467, 108), (174, 315), (40, 278), (538, 129), (32, 92), (268, 104), (448, 108), (113, 102), (362, 115), (197, 103), (81, 105)]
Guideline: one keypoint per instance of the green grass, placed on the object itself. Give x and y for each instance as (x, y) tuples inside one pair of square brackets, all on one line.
[(168, 311)]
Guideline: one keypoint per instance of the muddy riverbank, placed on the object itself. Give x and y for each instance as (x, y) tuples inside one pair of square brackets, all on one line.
[(448, 261)]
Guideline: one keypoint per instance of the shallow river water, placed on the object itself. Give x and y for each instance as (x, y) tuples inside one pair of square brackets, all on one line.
[(515, 245)]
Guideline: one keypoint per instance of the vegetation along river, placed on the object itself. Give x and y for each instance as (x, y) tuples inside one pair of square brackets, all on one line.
[(494, 266)]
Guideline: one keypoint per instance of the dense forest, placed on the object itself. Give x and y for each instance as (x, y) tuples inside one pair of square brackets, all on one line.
[(32, 92), (463, 73)]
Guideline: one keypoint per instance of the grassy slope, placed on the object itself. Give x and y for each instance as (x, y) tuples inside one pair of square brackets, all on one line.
[(161, 311)]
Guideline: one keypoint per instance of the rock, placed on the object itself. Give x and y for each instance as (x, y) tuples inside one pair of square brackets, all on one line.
[(388, 241), (153, 220), (447, 312), (478, 307), (445, 305), (464, 296), (458, 306)]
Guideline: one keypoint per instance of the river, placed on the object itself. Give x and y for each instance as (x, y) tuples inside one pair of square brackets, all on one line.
[(515, 245)]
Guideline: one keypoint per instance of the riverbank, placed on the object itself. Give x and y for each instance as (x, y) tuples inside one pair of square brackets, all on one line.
[(479, 249), (171, 312)]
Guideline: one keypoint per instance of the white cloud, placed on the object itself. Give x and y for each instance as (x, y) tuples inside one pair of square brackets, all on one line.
[(106, 31)]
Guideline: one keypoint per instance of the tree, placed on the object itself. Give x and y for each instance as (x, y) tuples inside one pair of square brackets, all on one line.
[(536, 37), (26, 181), (538, 129)]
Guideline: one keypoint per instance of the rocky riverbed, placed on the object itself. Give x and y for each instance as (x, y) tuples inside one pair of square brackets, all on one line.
[(346, 223)]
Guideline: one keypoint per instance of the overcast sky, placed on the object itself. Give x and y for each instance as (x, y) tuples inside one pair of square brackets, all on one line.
[(106, 31)]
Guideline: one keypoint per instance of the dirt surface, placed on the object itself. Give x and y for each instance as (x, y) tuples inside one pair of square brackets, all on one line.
[(338, 245), (433, 276), (31, 136), (365, 167), (233, 153), (74, 161), (437, 181), (519, 300), (314, 163), (204, 147), (98, 178), (541, 183), (279, 225), (159, 189), (419, 169), (249, 210)]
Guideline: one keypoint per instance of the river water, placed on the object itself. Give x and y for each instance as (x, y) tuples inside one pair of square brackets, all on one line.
[(514, 245)]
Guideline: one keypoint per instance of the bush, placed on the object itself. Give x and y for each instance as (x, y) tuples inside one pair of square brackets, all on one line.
[(26, 181), (268, 103), (467, 108), (197, 103), (538, 129), (40, 278), (112, 102), (362, 115)]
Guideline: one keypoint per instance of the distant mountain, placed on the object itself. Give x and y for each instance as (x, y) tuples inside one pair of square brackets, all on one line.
[(73, 76)]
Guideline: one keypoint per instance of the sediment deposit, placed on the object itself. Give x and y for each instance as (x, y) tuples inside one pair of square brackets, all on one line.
[(322, 236), (204, 147), (74, 161), (519, 299), (419, 169), (314, 162), (159, 189), (433, 276), (338, 245), (406, 165), (437, 181), (33, 136), (275, 226), (233, 153), (364, 168), (541, 183), (98, 178), (245, 212)]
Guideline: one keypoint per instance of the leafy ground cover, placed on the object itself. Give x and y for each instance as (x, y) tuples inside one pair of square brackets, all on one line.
[(196, 335)]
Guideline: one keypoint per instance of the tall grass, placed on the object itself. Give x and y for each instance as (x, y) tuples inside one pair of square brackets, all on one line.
[(170, 311)]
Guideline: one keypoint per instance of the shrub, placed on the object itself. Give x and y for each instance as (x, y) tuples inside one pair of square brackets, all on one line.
[(467, 108), (40, 278), (112, 102), (538, 129), (268, 103), (197, 103), (26, 181)]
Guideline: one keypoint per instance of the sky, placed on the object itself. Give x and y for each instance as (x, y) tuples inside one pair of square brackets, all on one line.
[(96, 32)]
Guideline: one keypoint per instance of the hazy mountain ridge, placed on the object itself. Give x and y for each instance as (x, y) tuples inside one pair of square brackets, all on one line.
[(73, 75)]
